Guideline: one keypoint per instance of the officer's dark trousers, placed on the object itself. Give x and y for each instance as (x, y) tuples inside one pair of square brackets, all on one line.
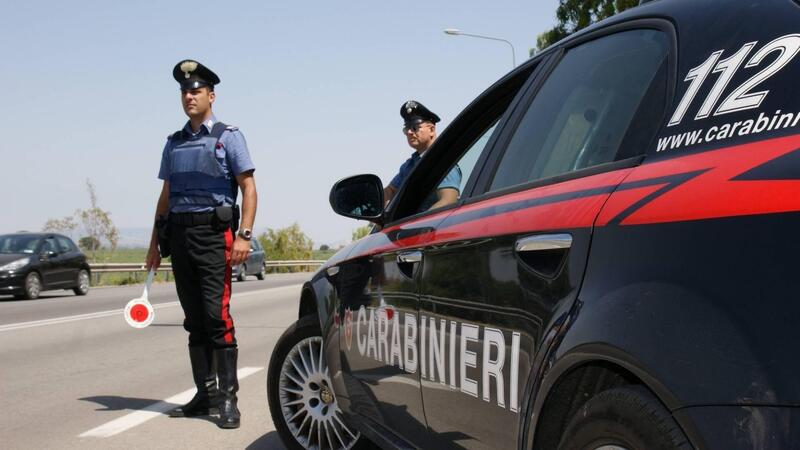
[(201, 257)]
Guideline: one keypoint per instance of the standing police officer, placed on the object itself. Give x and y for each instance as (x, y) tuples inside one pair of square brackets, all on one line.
[(420, 131), (203, 167)]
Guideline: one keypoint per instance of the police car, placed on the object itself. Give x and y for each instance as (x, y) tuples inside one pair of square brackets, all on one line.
[(620, 271)]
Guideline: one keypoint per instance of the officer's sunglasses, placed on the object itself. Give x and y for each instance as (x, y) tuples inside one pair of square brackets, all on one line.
[(414, 128)]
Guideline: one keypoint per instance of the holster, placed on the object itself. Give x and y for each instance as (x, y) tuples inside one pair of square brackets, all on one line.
[(163, 232), (226, 216)]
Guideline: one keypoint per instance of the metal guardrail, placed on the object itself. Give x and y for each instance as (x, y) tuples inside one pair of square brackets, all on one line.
[(299, 262), (139, 267)]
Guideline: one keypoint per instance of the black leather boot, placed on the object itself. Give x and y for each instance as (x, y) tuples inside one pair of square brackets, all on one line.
[(204, 401), (229, 416)]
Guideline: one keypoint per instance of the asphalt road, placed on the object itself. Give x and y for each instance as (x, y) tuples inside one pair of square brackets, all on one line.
[(73, 374)]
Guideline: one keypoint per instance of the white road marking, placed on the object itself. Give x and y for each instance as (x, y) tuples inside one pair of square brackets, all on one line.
[(137, 418), (97, 315)]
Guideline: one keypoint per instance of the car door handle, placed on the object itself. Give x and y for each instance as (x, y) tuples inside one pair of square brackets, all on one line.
[(542, 242), (406, 262), (409, 257)]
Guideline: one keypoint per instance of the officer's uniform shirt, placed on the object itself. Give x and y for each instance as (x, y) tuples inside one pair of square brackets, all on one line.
[(201, 193), (452, 180)]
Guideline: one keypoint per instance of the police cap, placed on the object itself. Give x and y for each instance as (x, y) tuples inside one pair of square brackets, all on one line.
[(191, 74), (414, 112)]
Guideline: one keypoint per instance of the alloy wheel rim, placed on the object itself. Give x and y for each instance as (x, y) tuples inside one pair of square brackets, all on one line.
[(83, 281), (308, 404), (33, 286)]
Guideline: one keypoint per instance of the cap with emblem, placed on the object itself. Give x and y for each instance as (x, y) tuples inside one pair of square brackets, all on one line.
[(414, 112), (191, 74)]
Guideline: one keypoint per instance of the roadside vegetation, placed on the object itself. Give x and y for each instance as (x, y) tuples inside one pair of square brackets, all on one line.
[(574, 15)]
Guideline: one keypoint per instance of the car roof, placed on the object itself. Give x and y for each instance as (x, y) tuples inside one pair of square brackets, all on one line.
[(679, 12), (33, 234)]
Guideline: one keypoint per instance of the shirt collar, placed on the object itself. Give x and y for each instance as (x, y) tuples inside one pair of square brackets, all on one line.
[(208, 124)]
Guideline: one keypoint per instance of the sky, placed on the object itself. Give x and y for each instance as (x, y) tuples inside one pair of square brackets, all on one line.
[(315, 86)]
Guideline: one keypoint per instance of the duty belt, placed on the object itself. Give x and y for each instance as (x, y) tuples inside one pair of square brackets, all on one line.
[(191, 219)]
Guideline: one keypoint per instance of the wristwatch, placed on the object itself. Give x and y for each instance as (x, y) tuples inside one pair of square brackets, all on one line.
[(245, 233)]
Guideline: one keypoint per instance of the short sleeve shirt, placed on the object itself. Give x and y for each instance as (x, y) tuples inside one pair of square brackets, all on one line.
[(452, 180)]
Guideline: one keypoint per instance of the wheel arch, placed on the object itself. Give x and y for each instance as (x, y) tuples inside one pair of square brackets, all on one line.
[(575, 378), (308, 301), (38, 273)]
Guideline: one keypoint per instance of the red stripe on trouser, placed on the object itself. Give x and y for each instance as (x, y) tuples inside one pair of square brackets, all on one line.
[(226, 292)]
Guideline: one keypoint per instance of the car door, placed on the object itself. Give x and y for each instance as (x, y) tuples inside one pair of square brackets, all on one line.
[(378, 287), (50, 265), (377, 297), (71, 259), (494, 290)]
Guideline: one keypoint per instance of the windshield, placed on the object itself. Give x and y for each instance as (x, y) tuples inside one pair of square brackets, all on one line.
[(18, 244)]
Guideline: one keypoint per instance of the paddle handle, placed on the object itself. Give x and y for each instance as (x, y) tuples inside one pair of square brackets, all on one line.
[(147, 285)]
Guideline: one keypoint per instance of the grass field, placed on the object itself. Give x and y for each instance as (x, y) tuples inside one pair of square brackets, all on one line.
[(134, 255)]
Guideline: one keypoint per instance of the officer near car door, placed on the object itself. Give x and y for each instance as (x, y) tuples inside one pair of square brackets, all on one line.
[(203, 167), (419, 128)]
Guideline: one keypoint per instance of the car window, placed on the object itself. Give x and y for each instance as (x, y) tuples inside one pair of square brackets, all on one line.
[(256, 245), (601, 103), (50, 245), (455, 179), (65, 245), (18, 244), (458, 156)]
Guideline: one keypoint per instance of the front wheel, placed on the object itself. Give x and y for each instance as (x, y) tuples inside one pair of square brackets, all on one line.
[(626, 418), (82, 287), (260, 275), (242, 273), (301, 398), (33, 286)]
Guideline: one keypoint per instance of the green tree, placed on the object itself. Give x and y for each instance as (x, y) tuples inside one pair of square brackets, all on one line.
[(89, 243), (574, 15), (324, 248), (96, 224), (288, 243), (360, 232)]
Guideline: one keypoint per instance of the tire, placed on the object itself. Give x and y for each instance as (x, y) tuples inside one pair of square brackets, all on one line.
[(260, 275), (242, 273), (626, 418), (83, 283), (33, 286), (303, 341)]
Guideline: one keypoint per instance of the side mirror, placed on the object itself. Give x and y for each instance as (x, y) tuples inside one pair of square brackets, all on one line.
[(359, 197)]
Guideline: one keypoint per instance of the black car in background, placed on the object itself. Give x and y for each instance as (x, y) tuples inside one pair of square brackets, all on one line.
[(254, 265), (34, 262), (620, 270)]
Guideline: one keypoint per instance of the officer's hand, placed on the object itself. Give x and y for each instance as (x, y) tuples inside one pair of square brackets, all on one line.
[(153, 259), (241, 248)]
